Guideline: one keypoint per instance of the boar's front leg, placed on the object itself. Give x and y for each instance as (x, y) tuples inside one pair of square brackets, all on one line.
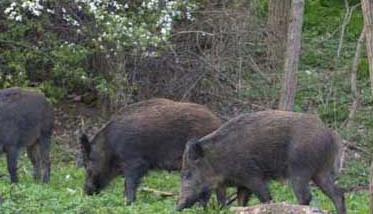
[(259, 188), (243, 195), (204, 199), (221, 195), (133, 177), (11, 156)]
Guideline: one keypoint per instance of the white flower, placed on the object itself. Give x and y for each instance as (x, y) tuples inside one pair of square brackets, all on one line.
[(18, 18), (12, 15), (36, 12), (50, 11), (8, 10), (164, 31)]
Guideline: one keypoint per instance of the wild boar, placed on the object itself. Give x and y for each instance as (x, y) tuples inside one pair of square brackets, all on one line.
[(251, 149), (26, 120), (147, 135)]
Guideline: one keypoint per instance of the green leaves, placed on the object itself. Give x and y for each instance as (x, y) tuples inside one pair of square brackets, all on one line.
[(56, 42)]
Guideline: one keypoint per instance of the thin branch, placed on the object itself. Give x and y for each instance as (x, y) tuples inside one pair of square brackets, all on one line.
[(194, 31), (352, 146), (158, 192), (346, 21), (256, 68), (354, 89)]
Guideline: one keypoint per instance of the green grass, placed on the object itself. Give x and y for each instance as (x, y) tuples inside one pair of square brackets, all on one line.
[(64, 193)]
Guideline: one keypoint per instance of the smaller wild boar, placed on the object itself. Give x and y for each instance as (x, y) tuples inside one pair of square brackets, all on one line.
[(26, 120), (147, 135), (251, 149)]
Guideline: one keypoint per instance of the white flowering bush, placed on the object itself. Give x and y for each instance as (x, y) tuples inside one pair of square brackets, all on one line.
[(54, 39), (119, 24)]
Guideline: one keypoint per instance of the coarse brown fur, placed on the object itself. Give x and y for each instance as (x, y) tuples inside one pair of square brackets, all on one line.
[(251, 149), (147, 135), (26, 120)]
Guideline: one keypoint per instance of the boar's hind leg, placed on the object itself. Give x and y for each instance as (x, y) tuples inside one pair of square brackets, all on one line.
[(300, 185), (132, 180), (44, 157), (34, 156), (326, 184), (11, 156)]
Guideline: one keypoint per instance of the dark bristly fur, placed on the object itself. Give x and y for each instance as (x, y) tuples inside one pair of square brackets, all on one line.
[(146, 135), (26, 120), (251, 149)]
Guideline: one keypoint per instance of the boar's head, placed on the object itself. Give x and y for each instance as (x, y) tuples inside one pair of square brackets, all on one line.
[(97, 164), (197, 176)]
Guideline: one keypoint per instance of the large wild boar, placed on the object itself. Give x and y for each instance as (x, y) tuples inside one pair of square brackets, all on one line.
[(26, 120), (251, 149), (146, 135)]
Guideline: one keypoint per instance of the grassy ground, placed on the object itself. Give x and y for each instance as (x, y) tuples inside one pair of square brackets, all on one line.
[(64, 194)]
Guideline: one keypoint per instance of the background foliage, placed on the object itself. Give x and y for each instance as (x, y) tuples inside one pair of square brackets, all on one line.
[(107, 53)]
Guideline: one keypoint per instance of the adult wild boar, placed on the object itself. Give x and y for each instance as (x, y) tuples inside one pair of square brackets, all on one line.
[(26, 120), (251, 149), (146, 135)]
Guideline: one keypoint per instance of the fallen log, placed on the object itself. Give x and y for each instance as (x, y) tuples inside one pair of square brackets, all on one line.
[(277, 208)]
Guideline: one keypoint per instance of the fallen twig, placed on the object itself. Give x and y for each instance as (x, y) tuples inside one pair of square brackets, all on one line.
[(158, 192), (277, 208), (351, 146)]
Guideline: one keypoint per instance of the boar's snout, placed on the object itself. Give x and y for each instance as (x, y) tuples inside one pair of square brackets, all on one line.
[(183, 204), (188, 199), (91, 189)]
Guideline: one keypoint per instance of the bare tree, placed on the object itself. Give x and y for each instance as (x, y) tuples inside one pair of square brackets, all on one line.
[(371, 189), (367, 6), (277, 27), (289, 82), (354, 90)]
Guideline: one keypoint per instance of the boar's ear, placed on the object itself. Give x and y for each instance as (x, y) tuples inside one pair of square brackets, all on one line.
[(195, 151), (85, 145)]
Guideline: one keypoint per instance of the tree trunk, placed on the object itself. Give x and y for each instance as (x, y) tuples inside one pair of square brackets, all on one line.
[(277, 24), (367, 6), (354, 90), (371, 189), (289, 82)]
